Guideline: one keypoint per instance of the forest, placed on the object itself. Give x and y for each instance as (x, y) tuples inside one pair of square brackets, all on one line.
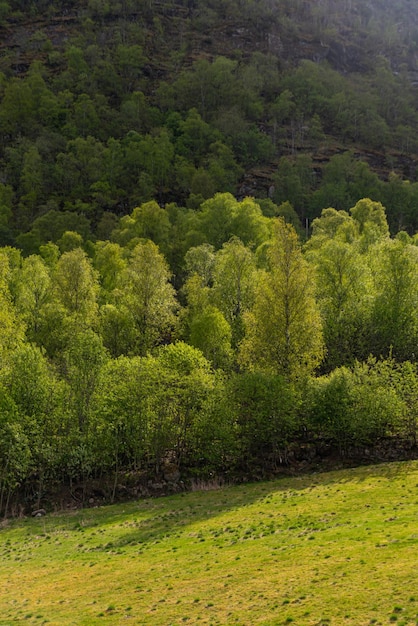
[(107, 368), (208, 217)]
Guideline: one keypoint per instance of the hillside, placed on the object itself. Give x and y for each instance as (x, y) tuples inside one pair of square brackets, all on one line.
[(107, 105), (327, 549)]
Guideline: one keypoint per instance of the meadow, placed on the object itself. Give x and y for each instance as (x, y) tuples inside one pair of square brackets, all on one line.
[(328, 548)]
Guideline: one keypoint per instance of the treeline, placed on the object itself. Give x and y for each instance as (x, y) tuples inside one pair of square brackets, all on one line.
[(109, 363), (120, 103)]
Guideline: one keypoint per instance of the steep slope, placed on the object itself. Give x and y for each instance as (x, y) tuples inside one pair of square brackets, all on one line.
[(266, 80)]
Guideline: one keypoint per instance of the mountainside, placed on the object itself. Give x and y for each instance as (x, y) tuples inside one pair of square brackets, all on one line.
[(105, 105), (348, 33)]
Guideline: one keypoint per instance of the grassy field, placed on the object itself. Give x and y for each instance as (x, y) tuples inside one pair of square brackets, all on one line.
[(334, 548)]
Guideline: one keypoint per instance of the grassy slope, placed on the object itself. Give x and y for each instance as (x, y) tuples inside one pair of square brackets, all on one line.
[(336, 548)]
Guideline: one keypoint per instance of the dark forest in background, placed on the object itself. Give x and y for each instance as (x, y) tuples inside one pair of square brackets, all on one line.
[(105, 105)]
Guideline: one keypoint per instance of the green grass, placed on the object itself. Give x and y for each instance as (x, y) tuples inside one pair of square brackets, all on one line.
[(335, 548)]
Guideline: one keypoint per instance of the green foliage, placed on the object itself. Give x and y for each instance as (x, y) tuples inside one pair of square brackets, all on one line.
[(293, 181), (234, 278), (211, 333), (11, 324), (76, 286), (95, 381), (33, 292), (371, 220), (188, 389), (223, 216), (354, 407), (14, 449), (119, 413), (333, 224), (344, 288), (345, 181), (148, 296), (128, 148), (91, 126), (283, 328), (207, 86), (40, 398), (402, 377), (83, 360), (200, 260), (394, 318), (266, 407), (150, 407), (148, 221)]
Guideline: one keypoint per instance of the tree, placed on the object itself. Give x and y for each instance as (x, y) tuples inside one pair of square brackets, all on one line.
[(129, 63), (223, 167), (83, 360), (345, 181), (398, 197), (283, 332), (33, 292), (208, 86), (211, 333), (31, 184), (50, 227), (155, 157), (119, 425), (214, 221), (199, 263), (14, 450), (70, 240), (76, 286), (266, 408), (117, 328), (223, 216), (149, 296), (249, 224), (200, 260), (17, 107), (40, 399), (183, 395), (80, 166), (293, 181), (394, 324), (403, 378), (148, 221), (354, 406), (195, 138), (281, 111), (234, 284), (370, 217), (344, 289), (11, 324), (110, 263), (333, 224), (159, 409), (6, 204)]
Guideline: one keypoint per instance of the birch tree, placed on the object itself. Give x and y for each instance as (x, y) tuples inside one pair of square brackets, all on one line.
[(283, 328)]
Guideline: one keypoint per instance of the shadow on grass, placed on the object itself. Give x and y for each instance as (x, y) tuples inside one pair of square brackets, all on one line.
[(148, 522)]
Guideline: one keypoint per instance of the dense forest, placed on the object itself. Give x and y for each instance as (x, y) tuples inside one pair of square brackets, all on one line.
[(107, 368), (207, 228), (105, 105)]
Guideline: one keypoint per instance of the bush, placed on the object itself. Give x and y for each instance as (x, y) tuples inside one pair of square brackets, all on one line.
[(266, 407), (354, 406)]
